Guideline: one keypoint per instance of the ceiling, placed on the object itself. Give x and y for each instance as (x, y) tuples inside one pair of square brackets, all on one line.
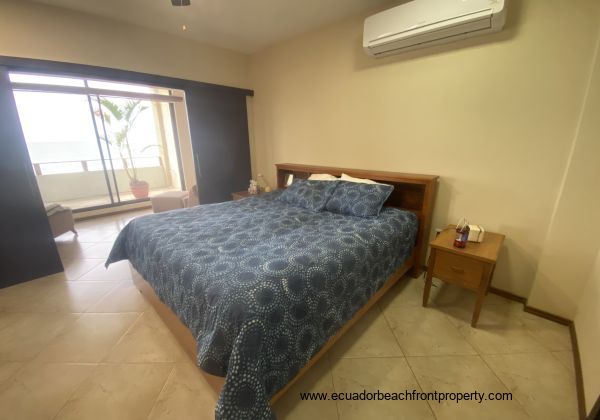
[(241, 25)]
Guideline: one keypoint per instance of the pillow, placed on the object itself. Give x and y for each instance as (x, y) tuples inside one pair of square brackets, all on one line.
[(311, 195), (358, 199), (346, 177), (322, 177)]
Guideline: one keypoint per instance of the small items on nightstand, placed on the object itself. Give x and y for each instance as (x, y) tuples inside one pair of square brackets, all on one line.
[(253, 188), (471, 267), (476, 233), (267, 187), (462, 233)]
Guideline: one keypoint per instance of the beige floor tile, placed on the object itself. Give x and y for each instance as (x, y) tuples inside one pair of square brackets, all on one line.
[(317, 379), (72, 249), (542, 384), (126, 391), (446, 294), (98, 250), (452, 374), (89, 339), (24, 335), (106, 223), (566, 358), (116, 272), (22, 296), (75, 268), (8, 369), (38, 391), (491, 317), (52, 294), (148, 340), (125, 297), (71, 296), (425, 331), (391, 375), (551, 335), (408, 291), (102, 233), (186, 395), (500, 329), (369, 337), (501, 340), (111, 237)]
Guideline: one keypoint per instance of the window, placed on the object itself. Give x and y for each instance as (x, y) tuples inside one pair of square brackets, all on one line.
[(93, 142)]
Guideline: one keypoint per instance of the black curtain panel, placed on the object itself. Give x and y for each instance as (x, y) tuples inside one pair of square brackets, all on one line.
[(219, 130), (27, 248)]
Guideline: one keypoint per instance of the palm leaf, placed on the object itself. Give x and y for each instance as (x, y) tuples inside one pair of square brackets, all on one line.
[(112, 108), (129, 108)]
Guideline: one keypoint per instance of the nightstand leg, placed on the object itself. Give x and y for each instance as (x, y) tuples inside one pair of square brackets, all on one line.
[(487, 274), (429, 277)]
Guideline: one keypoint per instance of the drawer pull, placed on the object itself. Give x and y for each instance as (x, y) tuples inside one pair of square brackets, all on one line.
[(457, 270)]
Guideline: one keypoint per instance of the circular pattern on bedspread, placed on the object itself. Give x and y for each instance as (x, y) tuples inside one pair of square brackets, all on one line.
[(262, 284)]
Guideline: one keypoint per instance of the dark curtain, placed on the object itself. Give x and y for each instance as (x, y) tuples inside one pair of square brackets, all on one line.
[(27, 248), (219, 129)]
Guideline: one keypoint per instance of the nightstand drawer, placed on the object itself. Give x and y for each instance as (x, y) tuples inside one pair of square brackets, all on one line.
[(457, 269)]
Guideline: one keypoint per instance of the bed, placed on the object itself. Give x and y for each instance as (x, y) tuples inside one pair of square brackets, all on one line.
[(257, 290)]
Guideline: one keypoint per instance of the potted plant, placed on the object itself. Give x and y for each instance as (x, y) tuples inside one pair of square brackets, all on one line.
[(125, 117)]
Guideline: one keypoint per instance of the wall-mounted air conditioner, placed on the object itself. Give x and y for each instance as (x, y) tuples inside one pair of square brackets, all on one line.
[(421, 23)]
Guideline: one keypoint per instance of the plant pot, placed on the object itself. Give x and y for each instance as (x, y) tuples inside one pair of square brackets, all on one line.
[(139, 189)]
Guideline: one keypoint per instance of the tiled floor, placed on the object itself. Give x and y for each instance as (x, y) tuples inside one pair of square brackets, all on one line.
[(86, 345)]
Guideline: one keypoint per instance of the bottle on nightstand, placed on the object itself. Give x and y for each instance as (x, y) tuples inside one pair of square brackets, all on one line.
[(462, 233)]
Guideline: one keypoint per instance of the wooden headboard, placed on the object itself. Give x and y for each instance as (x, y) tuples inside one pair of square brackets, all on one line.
[(412, 192)]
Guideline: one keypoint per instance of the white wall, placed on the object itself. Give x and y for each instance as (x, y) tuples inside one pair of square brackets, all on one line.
[(494, 116), (572, 242)]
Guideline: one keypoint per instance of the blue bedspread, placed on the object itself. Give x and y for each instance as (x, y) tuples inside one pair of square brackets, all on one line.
[(263, 285)]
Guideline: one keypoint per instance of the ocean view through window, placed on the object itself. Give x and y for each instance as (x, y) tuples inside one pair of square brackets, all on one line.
[(95, 143)]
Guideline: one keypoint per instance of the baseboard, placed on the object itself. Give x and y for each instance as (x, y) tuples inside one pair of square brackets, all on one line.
[(531, 309), (547, 315), (595, 413), (575, 347), (109, 211), (578, 373), (508, 295)]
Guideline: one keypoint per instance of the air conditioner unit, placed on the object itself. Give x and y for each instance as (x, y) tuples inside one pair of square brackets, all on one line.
[(421, 23)]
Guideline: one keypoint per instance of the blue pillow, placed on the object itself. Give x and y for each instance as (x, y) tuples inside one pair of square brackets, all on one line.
[(311, 195), (356, 199)]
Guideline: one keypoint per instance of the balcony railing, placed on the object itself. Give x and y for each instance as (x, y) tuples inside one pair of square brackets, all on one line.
[(88, 165)]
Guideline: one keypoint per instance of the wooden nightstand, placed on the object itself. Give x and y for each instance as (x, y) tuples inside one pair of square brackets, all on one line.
[(242, 194), (471, 267)]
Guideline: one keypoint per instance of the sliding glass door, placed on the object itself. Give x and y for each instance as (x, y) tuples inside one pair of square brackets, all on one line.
[(63, 147), (97, 143)]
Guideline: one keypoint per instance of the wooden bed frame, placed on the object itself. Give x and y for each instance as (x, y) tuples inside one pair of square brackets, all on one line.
[(412, 192)]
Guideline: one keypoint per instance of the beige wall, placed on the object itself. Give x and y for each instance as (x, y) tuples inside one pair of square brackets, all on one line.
[(587, 324), (495, 116), (572, 242), (33, 30)]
